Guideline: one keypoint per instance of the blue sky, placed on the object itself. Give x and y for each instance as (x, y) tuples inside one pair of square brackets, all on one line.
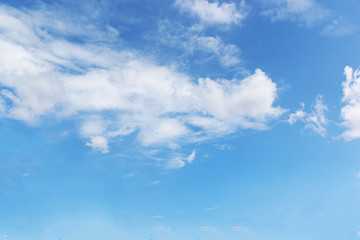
[(184, 119)]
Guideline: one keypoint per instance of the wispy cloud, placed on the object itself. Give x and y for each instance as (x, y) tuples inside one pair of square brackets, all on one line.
[(129, 175), (208, 229), (214, 12), (308, 13), (209, 209), (191, 157), (339, 27), (162, 229), (180, 161), (194, 42), (314, 120), (156, 182)]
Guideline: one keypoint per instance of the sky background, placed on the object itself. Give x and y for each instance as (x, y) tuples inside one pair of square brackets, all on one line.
[(175, 120)]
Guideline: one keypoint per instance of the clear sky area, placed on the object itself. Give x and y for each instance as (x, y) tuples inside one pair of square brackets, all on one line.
[(180, 120)]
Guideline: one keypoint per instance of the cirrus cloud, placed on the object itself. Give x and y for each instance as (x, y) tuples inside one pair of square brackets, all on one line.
[(214, 12), (314, 120)]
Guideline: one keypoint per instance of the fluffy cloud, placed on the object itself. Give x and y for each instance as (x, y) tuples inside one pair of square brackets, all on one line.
[(114, 92), (314, 120), (214, 12), (351, 97), (98, 143)]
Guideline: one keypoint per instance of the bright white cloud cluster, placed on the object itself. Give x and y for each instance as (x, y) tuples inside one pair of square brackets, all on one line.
[(351, 97), (314, 120), (117, 92), (214, 12)]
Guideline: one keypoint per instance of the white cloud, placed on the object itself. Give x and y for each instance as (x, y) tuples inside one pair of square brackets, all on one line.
[(98, 143), (163, 130), (192, 39), (314, 120), (179, 161), (93, 125), (307, 12), (214, 12), (240, 229), (175, 163), (298, 115), (161, 229), (351, 97), (115, 92), (208, 229), (228, 54), (158, 216), (194, 42), (191, 157)]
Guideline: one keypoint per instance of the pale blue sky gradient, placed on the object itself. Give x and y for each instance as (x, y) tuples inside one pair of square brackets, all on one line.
[(175, 120)]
